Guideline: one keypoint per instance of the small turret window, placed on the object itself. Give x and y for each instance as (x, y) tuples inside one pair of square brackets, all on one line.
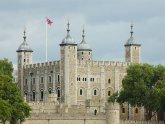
[(24, 60), (82, 53)]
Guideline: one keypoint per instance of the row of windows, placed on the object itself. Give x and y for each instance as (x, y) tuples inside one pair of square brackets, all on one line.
[(91, 79), (95, 92), (136, 110), (85, 79), (32, 97), (83, 53), (42, 80)]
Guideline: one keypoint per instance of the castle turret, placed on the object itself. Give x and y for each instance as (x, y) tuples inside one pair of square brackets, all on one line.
[(68, 69), (132, 49), (24, 57), (84, 52)]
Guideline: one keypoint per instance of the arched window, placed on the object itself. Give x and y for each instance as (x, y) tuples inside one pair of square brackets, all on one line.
[(58, 78), (136, 110), (95, 92), (42, 95), (34, 96), (109, 81), (50, 90), (26, 96), (123, 110), (58, 92), (109, 93), (81, 92)]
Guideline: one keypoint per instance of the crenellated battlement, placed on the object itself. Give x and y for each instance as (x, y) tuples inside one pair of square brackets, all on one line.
[(40, 65), (104, 63)]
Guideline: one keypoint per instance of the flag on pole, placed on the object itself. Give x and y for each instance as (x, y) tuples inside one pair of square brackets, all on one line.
[(49, 22)]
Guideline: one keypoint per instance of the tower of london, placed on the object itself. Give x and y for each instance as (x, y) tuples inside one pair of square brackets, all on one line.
[(76, 79)]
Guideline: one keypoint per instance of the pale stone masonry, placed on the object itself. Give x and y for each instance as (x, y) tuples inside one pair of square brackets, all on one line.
[(76, 80)]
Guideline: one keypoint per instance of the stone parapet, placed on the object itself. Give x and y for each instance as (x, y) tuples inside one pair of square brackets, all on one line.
[(40, 65), (104, 63)]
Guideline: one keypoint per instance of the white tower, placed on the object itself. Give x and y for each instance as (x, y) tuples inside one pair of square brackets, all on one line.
[(68, 70), (24, 57), (132, 49), (84, 52)]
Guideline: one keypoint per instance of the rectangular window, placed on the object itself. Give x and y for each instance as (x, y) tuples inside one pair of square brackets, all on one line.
[(80, 92), (58, 78)]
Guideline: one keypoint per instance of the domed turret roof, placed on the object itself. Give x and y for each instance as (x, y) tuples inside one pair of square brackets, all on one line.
[(131, 40), (83, 46), (24, 47), (68, 39)]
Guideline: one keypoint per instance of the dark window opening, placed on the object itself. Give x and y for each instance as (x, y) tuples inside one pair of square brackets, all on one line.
[(123, 110), (58, 93), (34, 96), (58, 78), (109, 81), (42, 95), (136, 110), (80, 91), (109, 93), (95, 92)]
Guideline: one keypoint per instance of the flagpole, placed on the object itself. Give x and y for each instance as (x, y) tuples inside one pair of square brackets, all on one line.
[(46, 42)]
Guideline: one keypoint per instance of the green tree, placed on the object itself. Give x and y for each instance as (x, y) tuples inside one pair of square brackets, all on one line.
[(144, 85), (10, 96), (5, 111)]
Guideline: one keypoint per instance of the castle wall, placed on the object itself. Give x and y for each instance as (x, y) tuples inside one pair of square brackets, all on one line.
[(40, 77)]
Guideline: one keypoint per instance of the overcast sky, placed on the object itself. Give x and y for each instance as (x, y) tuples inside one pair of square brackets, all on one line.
[(107, 27)]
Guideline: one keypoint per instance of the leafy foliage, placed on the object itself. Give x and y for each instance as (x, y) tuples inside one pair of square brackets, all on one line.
[(144, 85), (11, 101)]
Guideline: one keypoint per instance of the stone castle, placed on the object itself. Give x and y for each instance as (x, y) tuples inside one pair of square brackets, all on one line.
[(76, 83)]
